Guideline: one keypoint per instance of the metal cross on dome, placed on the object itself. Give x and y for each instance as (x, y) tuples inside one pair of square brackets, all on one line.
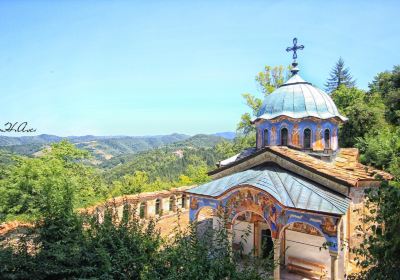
[(294, 48)]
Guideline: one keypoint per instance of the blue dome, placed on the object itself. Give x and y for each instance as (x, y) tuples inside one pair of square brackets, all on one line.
[(298, 99)]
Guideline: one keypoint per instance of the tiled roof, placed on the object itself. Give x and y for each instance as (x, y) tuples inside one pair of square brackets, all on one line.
[(345, 165), (288, 188)]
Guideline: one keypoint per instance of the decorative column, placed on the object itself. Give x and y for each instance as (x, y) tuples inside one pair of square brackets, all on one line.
[(334, 265), (277, 259)]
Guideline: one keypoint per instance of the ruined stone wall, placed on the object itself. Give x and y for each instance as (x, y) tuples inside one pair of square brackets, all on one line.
[(167, 218)]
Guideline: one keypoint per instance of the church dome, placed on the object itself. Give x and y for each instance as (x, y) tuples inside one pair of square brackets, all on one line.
[(299, 99)]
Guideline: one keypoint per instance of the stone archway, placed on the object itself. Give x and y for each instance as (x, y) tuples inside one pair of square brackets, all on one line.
[(304, 245), (205, 218), (251, 234)]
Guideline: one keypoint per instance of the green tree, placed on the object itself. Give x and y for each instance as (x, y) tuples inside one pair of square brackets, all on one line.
[(382, 149), (130, 184), (387, 84), (32, 181), (267, 81), (339, 75), (364, 111)]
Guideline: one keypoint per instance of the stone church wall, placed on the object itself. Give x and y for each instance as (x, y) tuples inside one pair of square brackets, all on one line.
[(355, 212)]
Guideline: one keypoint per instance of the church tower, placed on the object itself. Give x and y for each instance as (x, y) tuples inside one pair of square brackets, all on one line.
[(300, 116)]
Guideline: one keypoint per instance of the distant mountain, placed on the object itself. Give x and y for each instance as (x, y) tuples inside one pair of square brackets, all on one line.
[(227, 135), (199, 141), (196, 142), (24, 140), (102, 147), (166, 162)]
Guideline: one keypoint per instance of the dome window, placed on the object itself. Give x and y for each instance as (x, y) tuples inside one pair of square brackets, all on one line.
[(266, 142), (284, 136), (327, 138), (307, 138)]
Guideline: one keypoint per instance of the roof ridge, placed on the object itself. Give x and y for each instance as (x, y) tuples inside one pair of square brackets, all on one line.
[(288, 193)]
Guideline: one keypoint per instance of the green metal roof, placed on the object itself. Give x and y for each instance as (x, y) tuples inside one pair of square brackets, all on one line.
[(288, 188), (298, 99)]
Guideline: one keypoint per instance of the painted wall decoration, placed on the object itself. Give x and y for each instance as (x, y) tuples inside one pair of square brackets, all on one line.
[(296, 135), (273, 136), (194, 205), (304, 228), (248, 199), (296, 129), (319, 143)]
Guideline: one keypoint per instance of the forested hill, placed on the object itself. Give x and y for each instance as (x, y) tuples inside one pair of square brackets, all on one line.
[(109, 151), (166, 162), (101, 147)]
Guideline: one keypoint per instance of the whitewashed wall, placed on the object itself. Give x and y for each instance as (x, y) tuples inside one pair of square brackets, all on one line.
[(240, 228), (306, 252)]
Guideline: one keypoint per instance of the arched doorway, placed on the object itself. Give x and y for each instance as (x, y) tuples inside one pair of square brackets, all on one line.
[(302, 245), (251, 235), (205, 220), (267, 245)]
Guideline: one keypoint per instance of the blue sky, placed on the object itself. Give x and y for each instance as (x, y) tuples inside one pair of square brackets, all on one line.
[(158, 67)]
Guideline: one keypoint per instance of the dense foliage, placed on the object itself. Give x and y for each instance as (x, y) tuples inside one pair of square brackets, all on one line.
[(372, 125), (28, 185), (65, 245)]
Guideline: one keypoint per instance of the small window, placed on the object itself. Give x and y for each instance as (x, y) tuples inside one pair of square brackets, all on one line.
[(183, 201), (172, 203), (284, 136), (142, 210), (158, 206), (266, 140), (307, 138), (327, 137)]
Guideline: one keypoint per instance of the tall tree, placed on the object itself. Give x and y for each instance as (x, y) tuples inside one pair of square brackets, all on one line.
[(340, 75), (267, 81)]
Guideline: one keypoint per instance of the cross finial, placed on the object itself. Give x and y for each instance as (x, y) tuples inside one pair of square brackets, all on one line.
[(294, 50)]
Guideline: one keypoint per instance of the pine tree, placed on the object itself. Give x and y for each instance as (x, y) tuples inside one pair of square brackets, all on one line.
[(339, 76)]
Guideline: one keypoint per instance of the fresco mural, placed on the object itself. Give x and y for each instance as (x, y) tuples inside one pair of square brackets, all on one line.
[(296, 135), (296, 128), (318, 144), (249, 199)]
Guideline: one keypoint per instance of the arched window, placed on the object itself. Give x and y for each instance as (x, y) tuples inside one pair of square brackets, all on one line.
[(172, 203), (142, 210), (307, 139), (158, 206), (327, 138), (266, 141), (183, 201), (284, 136)]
